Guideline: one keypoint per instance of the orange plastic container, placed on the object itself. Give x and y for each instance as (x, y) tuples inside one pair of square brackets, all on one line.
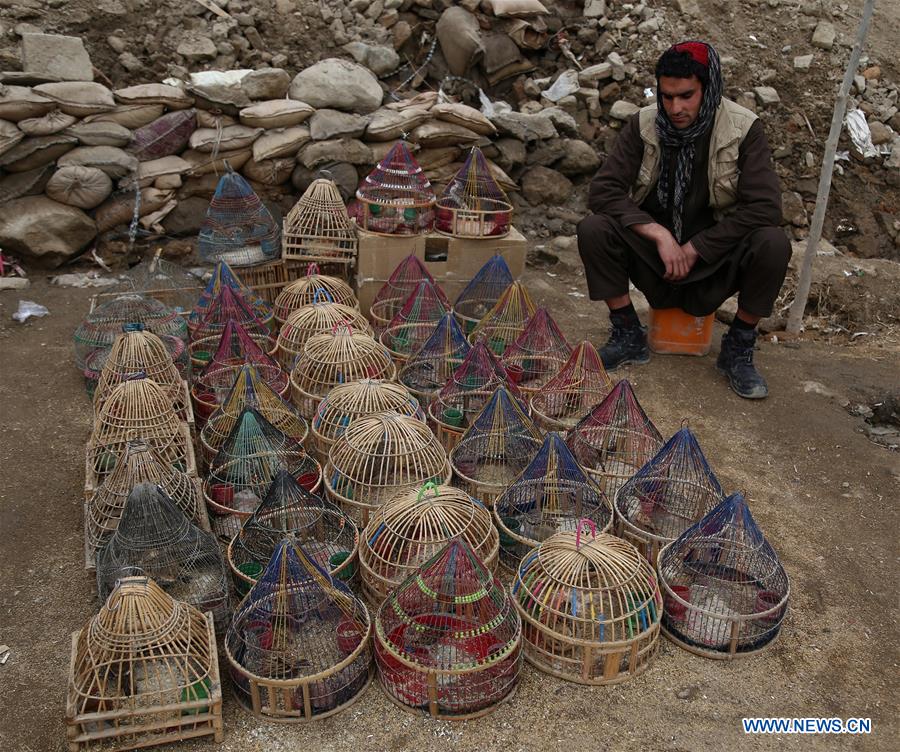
[(674, 332)]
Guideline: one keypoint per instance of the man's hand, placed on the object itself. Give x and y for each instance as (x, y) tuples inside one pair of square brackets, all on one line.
[(678, 259)]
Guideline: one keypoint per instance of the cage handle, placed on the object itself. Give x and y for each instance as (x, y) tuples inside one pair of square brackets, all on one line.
[(343, 324), (685, 423), (312, 269), (581, 523), (428, 486), (322, 291)]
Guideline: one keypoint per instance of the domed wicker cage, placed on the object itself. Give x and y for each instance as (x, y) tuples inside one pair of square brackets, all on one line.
[(318, 228), (506, 320), (175, 347), (154, 538), (482, 293), (345, 403), (590, 608), (448, 639), (319, 317), (548, 497), (249, 390), (725, 590), (379, 456), (615, 439), (298, 647), (396, 197), (303, 291), (144, 671), (327, 535), (400, 285), (473, 205), (245, 467), (157, 278), (224, 276), (499, 444), (103, 325), (227, 307), (567, 397), (666, 496), (414, 323), (238, 228), (537, 354), (432, 365), (415, 525)]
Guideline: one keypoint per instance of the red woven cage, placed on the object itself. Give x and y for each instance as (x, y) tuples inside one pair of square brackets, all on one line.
[(537, 353), (414, 323)]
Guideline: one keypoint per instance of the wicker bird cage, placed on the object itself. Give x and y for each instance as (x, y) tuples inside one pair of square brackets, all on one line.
[(175, 347), (537, 354), (414, 526), (154, 538), (499, 444), (448, 640), (482, 293), (227, 307), (431, 366), (299, 645), (473, 205), (506, 320), (394, 293), (318, 317), (327, 535), (163, 280), (249, 390), (245, 467), (396, 197), (224, 276), (345, 403), (590, 608), (238, 228), (666, 496), (305, 291), (379, 456), (548, 497), (103, 325), (466, 392), (318, 228), (144, 671), (578, 386), (725, 591), (615, 439), (414, 323)]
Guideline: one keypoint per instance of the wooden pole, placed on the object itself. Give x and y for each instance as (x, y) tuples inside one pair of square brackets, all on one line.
[(795, 316)]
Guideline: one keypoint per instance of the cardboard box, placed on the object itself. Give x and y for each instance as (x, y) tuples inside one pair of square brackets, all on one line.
[(452, 261)]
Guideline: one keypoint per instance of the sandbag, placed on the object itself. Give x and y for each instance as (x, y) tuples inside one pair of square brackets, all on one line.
[(10, 135), (148, 172), (113, 161), (203, 163), (210, 119), (436, 133), (432, 159), (164, 136), (46, 125), (119, 208), (229, 139), (100, 134), (167, 182), (29, 183), (467, 117), (276, 113), (130, 116), (31, 153), (380, 149), (269, 171), (389, 125), (460, 38), (280, 143), (156, 94), (79, 98), (76, 185), (422, 99), (514, 8), (20, 103)]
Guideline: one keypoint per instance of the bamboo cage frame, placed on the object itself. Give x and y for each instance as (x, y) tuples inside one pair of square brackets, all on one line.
[(433, 364), (482, 293), (318, 228), (224, 275), (304, 290), (393, 294), (537, 354), (175, 347), (414, 323), (155, 275), (506, 320), (473, 205)]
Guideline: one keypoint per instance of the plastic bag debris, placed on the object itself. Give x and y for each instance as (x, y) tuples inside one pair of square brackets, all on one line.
[(27, 309), (860, 134), (83, 279), (563, 86)]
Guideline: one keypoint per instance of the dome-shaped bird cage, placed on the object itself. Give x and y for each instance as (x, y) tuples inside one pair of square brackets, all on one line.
[(548, 497), (246, 465), (299, 645), (303, 291), (666, 496), (499, 444), (238, 228), (466, 392), (249, 390), (327, 535), (482, 293), (224, 276), (537, 354), (318, 228), (615, 439), (590, 607), (144, 671), (473, 205), (431, 366), (579, 385), (379, 456), (345, 403), (155, 277), (228, 306), (338, 357), (448, 640), (154, 538), (415, 525), (400, 285), (396, 197), (414, 323), (175, 347), (506, 320), (724, 589)]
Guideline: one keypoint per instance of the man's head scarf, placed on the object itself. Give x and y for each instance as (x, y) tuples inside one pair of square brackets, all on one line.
[(681, 141)]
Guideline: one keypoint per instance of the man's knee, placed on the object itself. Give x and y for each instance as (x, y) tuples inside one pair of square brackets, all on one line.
[(771, 250), (596, 233)]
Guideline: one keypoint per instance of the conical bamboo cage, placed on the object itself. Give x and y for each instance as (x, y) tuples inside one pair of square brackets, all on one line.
[(174, 346), (303, 291), (299, 645), (412, 527), (432, 365), (400, 285), (378, 456), (590, 607), (473, 205), (318, 228), (224, 276), (414, 323), (537, 354), (482, 293), (144, 671), (227, 307), (578, 386), (345, 403), (506, 320), (339, 357)]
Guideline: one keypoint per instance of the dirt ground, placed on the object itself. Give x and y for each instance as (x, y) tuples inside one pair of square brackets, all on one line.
[(822, 492)]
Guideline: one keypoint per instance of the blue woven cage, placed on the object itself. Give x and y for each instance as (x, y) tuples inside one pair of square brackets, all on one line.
[(482, 293), (432, 365)]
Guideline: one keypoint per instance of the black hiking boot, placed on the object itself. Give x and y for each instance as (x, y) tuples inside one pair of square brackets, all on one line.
[(627, 343), (736, 362)]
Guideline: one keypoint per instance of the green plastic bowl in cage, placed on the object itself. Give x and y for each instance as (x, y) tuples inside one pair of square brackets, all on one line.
[(452, 416), (199, 690), (336, 560), (251, 569), (202, 356), (512, 524)]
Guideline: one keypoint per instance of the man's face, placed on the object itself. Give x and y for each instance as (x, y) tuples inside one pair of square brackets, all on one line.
[(681, 99)]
